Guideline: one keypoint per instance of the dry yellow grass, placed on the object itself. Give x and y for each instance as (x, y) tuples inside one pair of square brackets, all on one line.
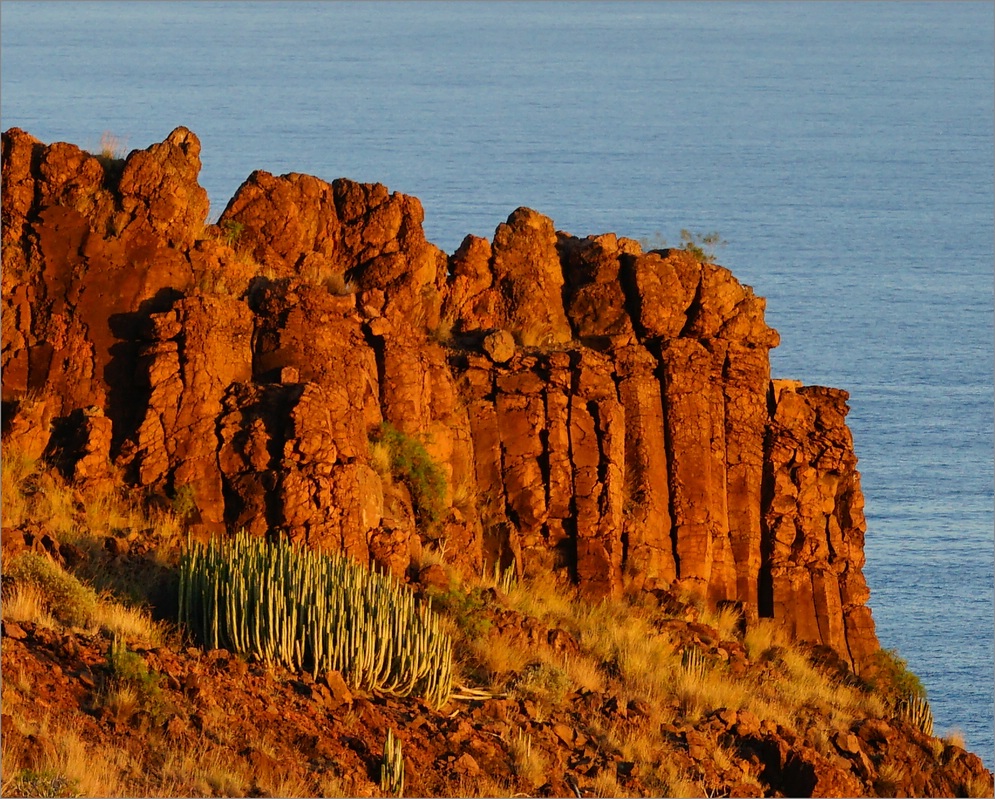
[(91, 597), (464, 495), (583, 672), (40, 591), (122, 700), (955, 738), (528, 761), (15, 469), (498, 660), (380, 458), (71, 766), (624, 652), (27, 603), (112, 146), (606, 785), (33, 491), (68, 766), (200, 769), (133, 624)]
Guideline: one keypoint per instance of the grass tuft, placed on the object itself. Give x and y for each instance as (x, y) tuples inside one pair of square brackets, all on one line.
[(62, 596)]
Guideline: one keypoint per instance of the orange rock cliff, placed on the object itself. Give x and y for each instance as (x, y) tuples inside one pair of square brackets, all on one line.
[(600, 413)]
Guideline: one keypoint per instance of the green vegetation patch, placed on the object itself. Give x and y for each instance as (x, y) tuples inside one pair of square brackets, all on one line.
[(890, 676), (466, 608), (129, 670), (48, 783), (66, 598), (701, 245), (411, 464)]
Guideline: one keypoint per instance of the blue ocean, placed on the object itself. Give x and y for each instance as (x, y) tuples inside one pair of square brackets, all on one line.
[(844, 151)]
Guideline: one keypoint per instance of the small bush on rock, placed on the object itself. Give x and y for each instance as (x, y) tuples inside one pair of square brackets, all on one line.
[(48, 782), (889, 675), (701, 245), (411, 463), (64, 597)]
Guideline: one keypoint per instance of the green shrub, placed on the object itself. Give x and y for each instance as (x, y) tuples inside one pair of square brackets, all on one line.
[(231, 231), (314, 610), (889, 675), (66, 598), (543, 682), (411, 463), (127, 668), (48, 783), (465, 609), (184, 502), (701, 245)]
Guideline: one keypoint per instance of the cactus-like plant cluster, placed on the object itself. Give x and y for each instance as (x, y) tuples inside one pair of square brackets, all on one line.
[(317, 611), (693, 662), (505, 580), (392, 767), (915, 709)]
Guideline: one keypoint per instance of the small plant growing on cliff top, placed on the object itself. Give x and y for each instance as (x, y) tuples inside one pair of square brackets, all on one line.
[(411, 463), (701, 245), (112, 150), (111, 157)]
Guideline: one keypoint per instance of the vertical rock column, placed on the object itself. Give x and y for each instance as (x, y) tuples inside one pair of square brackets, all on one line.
[(199, 350), (499, 540), (649, 550), (745, 386), (814, 523), (521, 422), (697, 510), (597, 451)]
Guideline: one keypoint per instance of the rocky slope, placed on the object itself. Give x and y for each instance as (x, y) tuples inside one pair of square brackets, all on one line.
[(217, 725)]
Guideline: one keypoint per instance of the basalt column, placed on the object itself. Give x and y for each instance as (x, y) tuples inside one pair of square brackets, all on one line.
[(814, 522)]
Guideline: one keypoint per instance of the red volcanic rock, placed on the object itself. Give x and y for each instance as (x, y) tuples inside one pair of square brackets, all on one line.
[(814, 521), (528, 273), (598, 413), (499, 346), (597, 303), (28, 428), (158, 193)]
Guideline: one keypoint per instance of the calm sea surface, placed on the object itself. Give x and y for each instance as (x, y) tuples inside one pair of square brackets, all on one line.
[(844, 151)]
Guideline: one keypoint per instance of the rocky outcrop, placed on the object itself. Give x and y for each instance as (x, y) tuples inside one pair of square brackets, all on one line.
[(598, 412)]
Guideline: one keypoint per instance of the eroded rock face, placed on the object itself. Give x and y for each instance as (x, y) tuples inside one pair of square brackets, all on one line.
[(599, 413)]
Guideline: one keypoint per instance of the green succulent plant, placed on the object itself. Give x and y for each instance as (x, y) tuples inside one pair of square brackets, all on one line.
[(316, 611)]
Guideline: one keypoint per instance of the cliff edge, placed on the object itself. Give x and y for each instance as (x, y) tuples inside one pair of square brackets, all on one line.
[(599, 413)]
